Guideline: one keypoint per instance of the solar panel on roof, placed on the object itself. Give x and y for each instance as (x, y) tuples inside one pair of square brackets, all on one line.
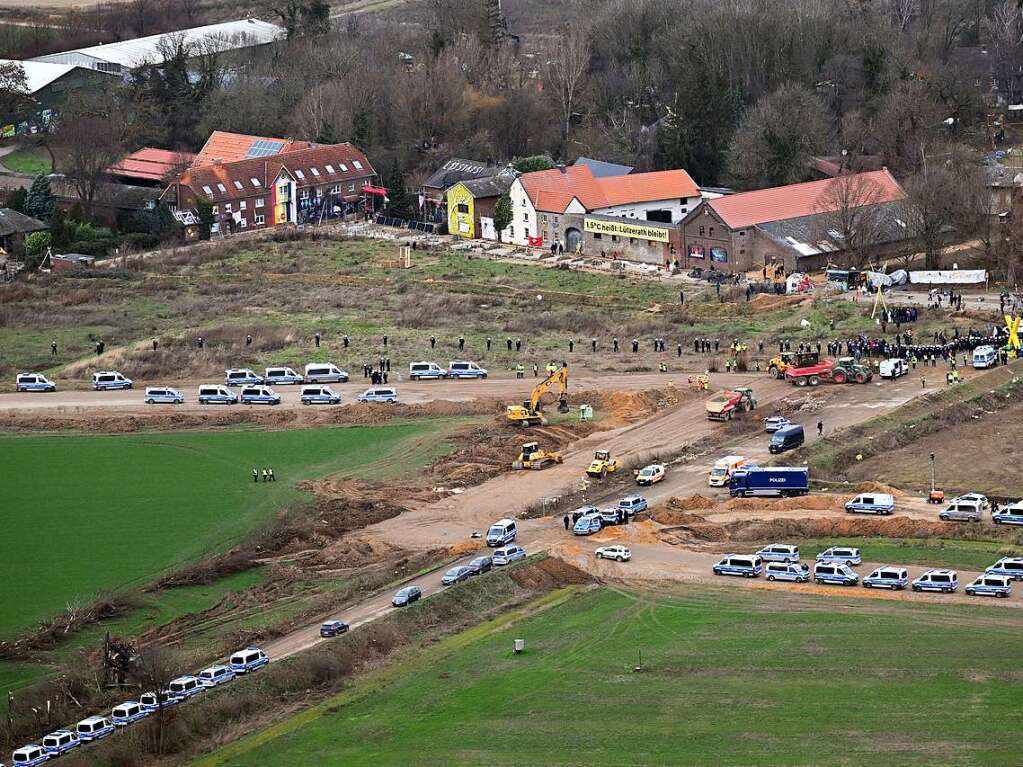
[(264, 148)]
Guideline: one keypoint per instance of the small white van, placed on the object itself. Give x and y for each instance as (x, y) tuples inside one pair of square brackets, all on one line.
[(30, 755), (745, 565), (894, 578), (281, 375), (893, 368), (128, 712), (502, 532), (984, 357), (779, 552), (93, 728), (834, 572), (798, 572), (420, 370), (108, 380), (324, 372), (457, 369), (881, 504), (185, 687), (320, 395), (722, 470), (216, 394)]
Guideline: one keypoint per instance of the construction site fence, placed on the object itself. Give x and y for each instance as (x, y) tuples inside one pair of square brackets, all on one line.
[(401, 223)]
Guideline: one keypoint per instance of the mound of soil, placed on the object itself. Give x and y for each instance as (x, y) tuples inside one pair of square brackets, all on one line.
[(768, 302), (897, 527), (626, 407), (548, 573), (691, 502), (879, 487), (808, 502), (351, 552), (643, 531)]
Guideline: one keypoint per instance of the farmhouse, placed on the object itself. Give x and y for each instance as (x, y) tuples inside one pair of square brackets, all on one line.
[(433, 196), (471, 206)]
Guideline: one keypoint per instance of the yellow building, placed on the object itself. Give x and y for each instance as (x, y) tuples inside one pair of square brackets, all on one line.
[(471, 206), (461, 212)]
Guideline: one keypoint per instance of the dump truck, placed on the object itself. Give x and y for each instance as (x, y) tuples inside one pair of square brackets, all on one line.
[(602, 464), (724, 405), (532, 456), (530, 412), (845, 370), (782, 362)]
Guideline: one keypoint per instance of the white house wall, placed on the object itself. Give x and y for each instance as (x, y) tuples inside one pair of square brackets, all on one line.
[(638, 210), (524, 218)]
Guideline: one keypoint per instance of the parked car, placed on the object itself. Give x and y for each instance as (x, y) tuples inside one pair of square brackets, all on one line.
[(786, 438), (978, 497), (33, 382), (779, 552), (888, 577), (612, 516), (379, 394), (588, 524), (1009, 515), (458, 369), (30, 755), (154, 700), (184, 687), (969, 510), (249, 659), (281, 376), (110, 380), (834, 572), (481, 565), (881, 504), (216, 675), (93, 728), (320, 395), (775, 422), (650, 475), (406, 596), (502, 532), (242, 377), (746, 565), (798, 572), (60, 742), (420, 370), (988, 585), (984, 357), (945, 581), (508, 554), (893, 368), (1011, 567), (330, 629), (633, 504), (456, 575), (324, 372), (127, 713), (216, 394), (259, 395), (845, 554), (163, 395), (617, 552)]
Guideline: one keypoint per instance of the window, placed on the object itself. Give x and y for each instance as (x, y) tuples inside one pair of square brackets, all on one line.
[(712, 231), (344, 168), (511, 231), (614, 238), (208, 191), (242, 223), (241, 205), (300, 175), (525, 217), (216, 210), (543, 219), (259, 202), (742, 233), (227, 207), (703, 231), (258, 220), (598, 236), (238, 185), (463, 208), (336, 189), (357, 164), (330, 168), (351, 187), (304, 194), (221, 189), (315, 172), (255, 182)]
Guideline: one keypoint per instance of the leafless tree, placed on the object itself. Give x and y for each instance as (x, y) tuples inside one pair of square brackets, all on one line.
[(154, 670), (907, 126), (14, 95), (567, 64), (851, 209)]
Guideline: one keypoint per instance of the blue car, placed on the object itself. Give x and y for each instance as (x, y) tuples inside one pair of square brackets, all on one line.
[(60, 742), (744, 565), (633, 504), (945, 581), (835, 573), (249, 659), (988, 585), (894, 578), (163, 395), (33, 382), (30, 755), (110, 380), (259, 395), (320, 395), (216, 394), (332, 629)]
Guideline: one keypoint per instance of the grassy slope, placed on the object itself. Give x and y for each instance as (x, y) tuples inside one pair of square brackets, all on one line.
[(34, 161), (87, 513), (937, 552), (729, 678)]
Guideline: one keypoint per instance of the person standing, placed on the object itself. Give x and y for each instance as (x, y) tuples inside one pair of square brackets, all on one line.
[(518, 344), (820, 429), (679, 350), (614, 343), (316, 339), (270, 471), (571, 345), (344, 340), (681, 298), (461, 343), (635, 346), (536, 370), (508, 343), (248, 340), (433, 341), (255, 476), (53, 348), (488, 343), (564, 521), (264, 475), (385, 342), (156, 344), (593, 344)]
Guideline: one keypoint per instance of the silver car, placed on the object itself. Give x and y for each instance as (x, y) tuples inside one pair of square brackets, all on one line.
[(962, 510), (456, 575)]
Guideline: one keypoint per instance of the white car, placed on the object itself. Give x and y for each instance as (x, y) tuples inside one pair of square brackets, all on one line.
[(651, 474), (774, 422), (617, 553), (893, 368)]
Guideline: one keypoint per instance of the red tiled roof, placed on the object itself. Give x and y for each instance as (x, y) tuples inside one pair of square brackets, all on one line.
[(340, 157), (152, 164), (784, 202), (226, 147), (648, 187)]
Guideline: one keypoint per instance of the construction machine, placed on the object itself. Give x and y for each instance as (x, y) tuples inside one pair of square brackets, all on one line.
[(532, 456), (724, 405), (782, 362), (602, 464), (530, 413)]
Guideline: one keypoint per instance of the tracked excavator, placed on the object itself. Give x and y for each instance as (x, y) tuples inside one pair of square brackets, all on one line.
[(530, 413)]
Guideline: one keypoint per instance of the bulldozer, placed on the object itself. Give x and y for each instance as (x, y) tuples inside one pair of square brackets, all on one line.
[(602, 464), (532, 456), (782, 362), (530, 413)]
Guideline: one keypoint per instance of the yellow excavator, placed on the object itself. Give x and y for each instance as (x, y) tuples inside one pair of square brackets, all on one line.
[(530, 413), (533, 456)]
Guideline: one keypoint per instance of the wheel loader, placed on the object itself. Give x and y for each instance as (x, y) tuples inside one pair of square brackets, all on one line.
[(532, 456)]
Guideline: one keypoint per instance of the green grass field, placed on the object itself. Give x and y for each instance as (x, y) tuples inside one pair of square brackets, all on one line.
[(89, 513), (936, 552), (727, 678), (34, 161)]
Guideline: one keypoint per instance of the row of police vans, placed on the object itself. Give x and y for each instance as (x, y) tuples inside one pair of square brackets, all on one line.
[(178, 691), (781, 562)]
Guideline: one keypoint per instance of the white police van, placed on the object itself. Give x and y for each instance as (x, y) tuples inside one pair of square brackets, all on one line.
[(163, 395), (184, 687), (1009, 515), (798, 572), (379, 394), (29, 755), (1011, 567), (847, 555), (419, 370), (215, 675), (324, 372), (457, 369), (834, 572), (241, 377), (110, 380), (508, 554), (894, 578), (320, 395), (745, 565), (588, 524), (984, 357), (281, 375), (259, 395), (127, 712), (501, 532), (779, 552), (152, 701), (33, 382), (633, 504), (988, 585), (249, 659), (893, 368), (93, 728), (881, 504), (60, 742), (945, 581), (216, 394)]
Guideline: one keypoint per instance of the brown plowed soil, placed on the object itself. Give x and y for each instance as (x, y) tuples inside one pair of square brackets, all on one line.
[(549, 573), (691, 502)]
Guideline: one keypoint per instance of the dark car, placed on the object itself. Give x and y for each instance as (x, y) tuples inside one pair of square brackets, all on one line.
[(481, 565), (456, 575), (333, 629), (407, 596)]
